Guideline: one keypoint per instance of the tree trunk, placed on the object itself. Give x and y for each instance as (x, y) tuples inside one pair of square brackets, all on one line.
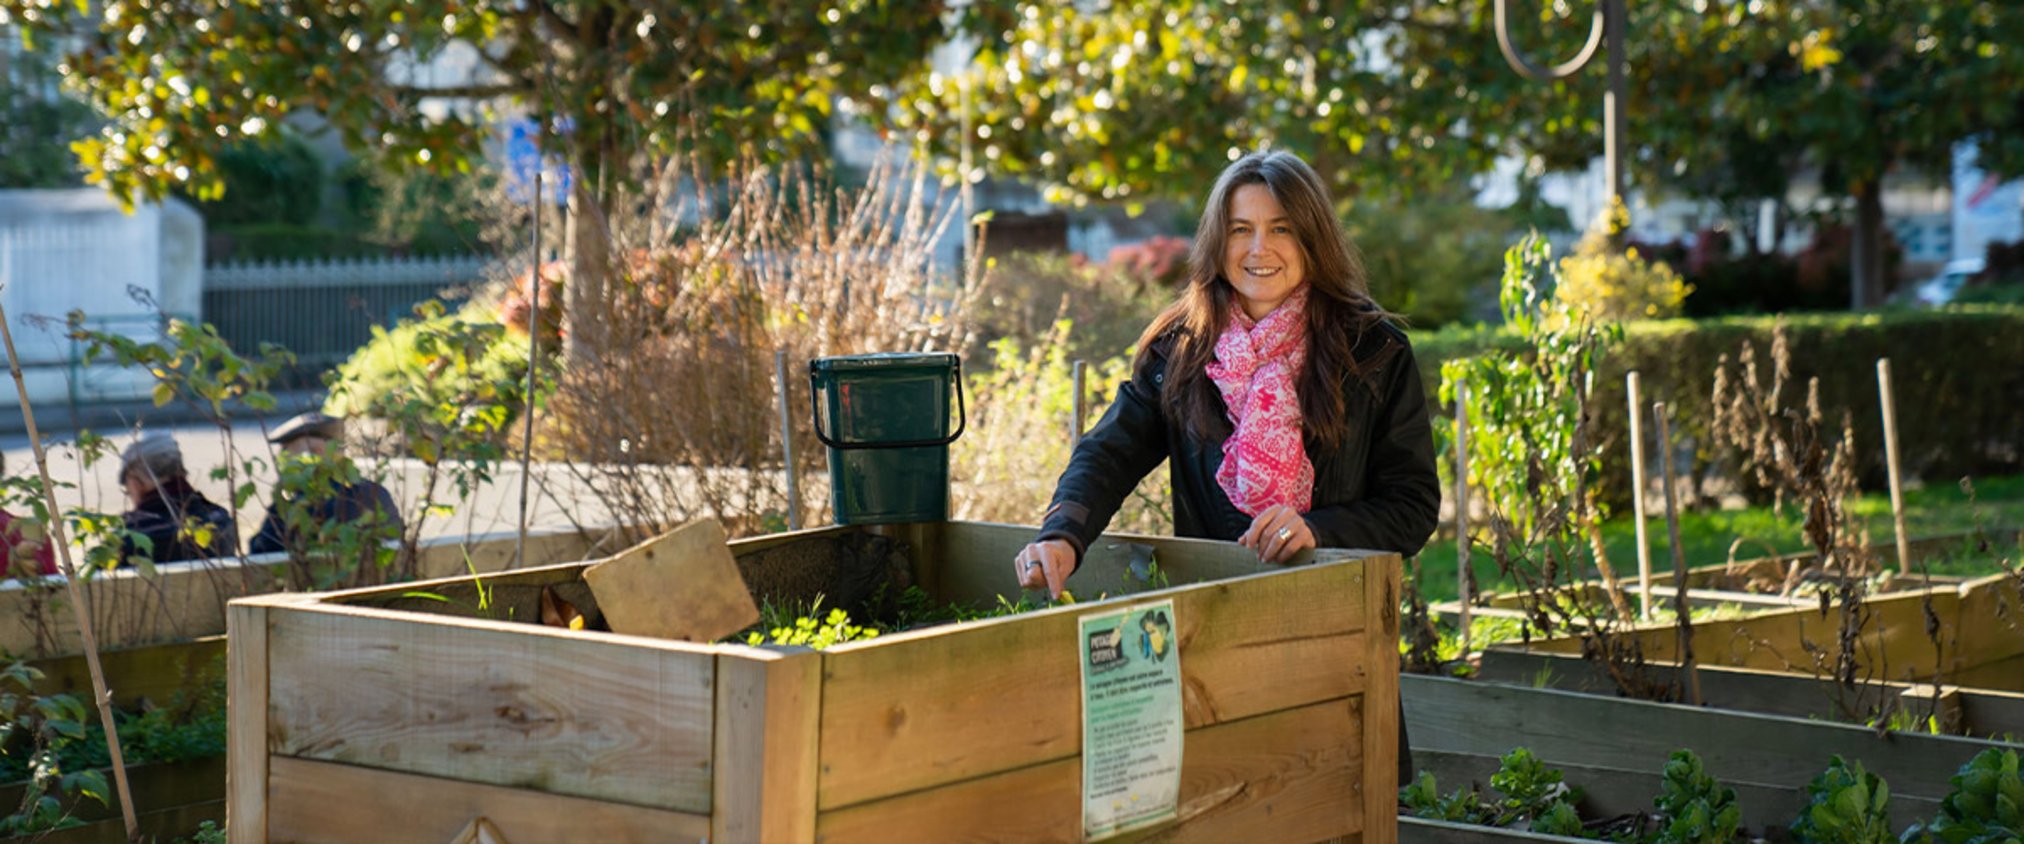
[(588, 249), (1866, 268)]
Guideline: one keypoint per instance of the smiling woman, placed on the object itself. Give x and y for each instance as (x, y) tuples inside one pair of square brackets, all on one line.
[(1288, 405)]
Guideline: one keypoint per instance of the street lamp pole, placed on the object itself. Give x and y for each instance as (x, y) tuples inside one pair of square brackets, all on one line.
[(1608, 26)]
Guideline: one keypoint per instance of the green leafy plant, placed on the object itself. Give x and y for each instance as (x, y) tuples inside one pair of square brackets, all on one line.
[(35, 732), (1534, 454), (1693, 807), (1846, 805), (1422, 797), (1986, 805), (208, 832), (811, 630), (1533, 793)]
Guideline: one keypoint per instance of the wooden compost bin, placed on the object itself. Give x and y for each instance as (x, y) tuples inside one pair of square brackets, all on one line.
[(356, 722)]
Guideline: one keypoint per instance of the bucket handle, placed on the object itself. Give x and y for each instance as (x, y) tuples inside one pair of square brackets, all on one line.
[(962, 421)]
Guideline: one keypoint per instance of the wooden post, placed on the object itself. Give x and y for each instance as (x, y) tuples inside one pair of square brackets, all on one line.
[(80, 599), (1637, 500), (1081, 389), (1462, 509), (533, 370), (787, 440), (1685, 621), (764, 770), (1890, 445), (246, 698), (1381, 701)]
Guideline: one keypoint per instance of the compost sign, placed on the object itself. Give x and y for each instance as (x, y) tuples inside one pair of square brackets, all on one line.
[(1131, 719)]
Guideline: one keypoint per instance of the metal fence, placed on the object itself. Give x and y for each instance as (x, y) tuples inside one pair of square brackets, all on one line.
[(324, 310)]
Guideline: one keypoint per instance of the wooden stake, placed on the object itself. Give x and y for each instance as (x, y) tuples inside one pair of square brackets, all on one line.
[(1462, 508), (79, 599), (1637, 499), (1890, 445), (1081, 388), (1685, 620), (787, 441), (533, 369)]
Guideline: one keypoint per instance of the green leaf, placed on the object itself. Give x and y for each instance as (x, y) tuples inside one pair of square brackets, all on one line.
[(164, 393)]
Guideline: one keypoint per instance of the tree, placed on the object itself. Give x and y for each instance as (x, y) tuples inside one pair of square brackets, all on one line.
[(1138, 99), (36, 125), (1749, 91), (612, 81)]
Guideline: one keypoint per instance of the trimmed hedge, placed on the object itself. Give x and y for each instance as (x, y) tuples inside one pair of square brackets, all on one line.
[(1958, 374)]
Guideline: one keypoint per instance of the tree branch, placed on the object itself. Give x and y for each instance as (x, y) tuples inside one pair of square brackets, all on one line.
[(475, 91), (556, 22)]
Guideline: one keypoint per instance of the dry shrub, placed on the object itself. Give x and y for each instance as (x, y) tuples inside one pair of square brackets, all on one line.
[(681, 417), (1019, 440)]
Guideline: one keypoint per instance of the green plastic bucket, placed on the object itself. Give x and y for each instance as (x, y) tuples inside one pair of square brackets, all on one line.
[(885, 419)]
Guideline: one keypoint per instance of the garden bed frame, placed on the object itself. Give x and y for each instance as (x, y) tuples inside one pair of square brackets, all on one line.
[(171, 800), (1614, 748), (186, 600), (968, 730)]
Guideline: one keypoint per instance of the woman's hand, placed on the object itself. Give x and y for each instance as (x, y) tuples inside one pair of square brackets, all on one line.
[(1277, 534), (1045, 565)]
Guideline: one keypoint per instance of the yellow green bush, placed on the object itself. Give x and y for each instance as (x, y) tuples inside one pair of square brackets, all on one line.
[(1604, 283)]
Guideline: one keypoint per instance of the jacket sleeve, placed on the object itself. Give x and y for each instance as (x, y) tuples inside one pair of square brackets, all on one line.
[(1402, 492), (271, 537), (1126, 444)]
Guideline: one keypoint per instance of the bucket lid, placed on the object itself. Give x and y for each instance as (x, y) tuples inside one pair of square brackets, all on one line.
[(884, 360)]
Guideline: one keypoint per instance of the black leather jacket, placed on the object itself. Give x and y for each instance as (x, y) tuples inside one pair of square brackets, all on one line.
[(1378, 490)]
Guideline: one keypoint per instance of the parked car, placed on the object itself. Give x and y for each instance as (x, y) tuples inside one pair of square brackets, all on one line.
[(1942, 288)]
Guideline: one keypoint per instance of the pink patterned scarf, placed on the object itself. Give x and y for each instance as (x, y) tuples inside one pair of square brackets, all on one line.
[(1265, 459)]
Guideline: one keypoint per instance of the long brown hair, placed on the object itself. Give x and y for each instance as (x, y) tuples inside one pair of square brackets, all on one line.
[(1339, 307)]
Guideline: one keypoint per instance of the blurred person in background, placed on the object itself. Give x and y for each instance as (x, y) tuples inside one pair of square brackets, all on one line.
[(323, 499), (179, 523)]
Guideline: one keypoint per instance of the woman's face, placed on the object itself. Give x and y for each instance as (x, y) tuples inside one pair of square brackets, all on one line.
[(1262, 257)]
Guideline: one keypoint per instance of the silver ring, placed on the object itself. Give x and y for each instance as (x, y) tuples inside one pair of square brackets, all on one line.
[(1284, 534), (1032, 564)]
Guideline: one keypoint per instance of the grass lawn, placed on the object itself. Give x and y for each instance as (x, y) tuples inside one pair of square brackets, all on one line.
[(1706, 536)]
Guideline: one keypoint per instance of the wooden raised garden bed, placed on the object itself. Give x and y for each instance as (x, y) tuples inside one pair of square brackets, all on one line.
[(1981, 639), (1614, 748), (967, 731), (171, 801), (186, 601)]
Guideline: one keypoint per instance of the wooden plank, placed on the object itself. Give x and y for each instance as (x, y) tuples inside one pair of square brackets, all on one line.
[(928, 707), (1422, 831), (768, 709), (324, 801), (157, 674), (1743, 689), (1606, 732), (1993, 714), (1288, 776), (975, 562), (682, 584), (1983, 712), (1381, 701), (246, 698), (187, 600), (596, 715), (1894, 641), (156, 787), (1991, 633), (176, 823)]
